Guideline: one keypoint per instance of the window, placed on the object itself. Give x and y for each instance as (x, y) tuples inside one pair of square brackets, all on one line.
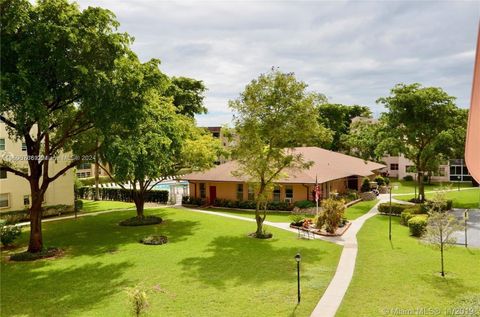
[(84, 166), (26, 200), (239, 191), (394, 167), (24, 146), (288, 192), (2, 144), (441, 171), (276, 193), (410, 169), (3, 174), (203, 191), (251, 193), (4, 202)]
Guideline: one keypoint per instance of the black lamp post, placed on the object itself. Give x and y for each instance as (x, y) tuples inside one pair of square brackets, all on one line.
[(390, 216), (465, 217), (298, 258), (459, 178)]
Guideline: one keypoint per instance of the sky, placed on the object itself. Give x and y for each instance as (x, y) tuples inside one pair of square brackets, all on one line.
[(352, 51)]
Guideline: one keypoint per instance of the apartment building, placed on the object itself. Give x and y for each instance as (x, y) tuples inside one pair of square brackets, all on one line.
[(15, 190), (453, 170)]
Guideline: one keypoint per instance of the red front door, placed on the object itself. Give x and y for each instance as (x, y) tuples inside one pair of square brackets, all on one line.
[(213, 194)]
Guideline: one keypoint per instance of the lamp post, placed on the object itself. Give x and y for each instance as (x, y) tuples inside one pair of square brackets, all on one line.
[(390, 216), (298, 258), (459, 178), (465, 217)]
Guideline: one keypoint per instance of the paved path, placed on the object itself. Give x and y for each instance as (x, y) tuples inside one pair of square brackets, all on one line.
[(434, 191), (473, 227), (333, 296)]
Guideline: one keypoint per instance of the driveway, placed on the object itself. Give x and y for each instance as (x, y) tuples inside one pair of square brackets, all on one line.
[(473, 227)]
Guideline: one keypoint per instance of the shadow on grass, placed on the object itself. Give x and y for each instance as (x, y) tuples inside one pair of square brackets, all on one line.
[(235, 259), (100, 234), (43, 291), (449, 286)]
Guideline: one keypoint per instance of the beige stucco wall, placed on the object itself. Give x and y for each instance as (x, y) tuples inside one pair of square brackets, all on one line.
[(228, 190), (60, 192), (402, 168)]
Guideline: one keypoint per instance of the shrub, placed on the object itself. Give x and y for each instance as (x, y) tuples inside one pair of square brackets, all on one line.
[(405, 216), (365, 185), (189, 200), (303, 204), (138, 300), (447, 206), (387, 180), (331, 215), (417, 225), (120, 194), (380, 180), (8, 234), (397, 209), (16, 216), (408, 178), (138, 221), (154, 240)]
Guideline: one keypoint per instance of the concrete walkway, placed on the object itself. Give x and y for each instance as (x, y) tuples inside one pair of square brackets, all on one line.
[(79, 215), (333, 296)]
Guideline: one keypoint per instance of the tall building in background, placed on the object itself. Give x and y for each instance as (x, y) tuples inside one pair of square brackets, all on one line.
[(15, 190)]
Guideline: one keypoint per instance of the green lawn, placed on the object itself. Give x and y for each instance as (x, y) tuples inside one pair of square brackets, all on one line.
[(404, 274), (407, 187), (461, 199), (93, 206), (210, 267), (359, 209)]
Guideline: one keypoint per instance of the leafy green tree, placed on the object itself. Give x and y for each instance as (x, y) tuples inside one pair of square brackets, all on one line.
[(338, 117), (163, 145), (272, 115), (420, 124), (66, 75), (188, 95), (363, 138)]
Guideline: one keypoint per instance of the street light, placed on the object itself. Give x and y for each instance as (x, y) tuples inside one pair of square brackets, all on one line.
[(298, 258), (459, 178), (390, 216), (465, 217)]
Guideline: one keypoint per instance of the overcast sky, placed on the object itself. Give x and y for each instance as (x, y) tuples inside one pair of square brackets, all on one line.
[(353, 52)]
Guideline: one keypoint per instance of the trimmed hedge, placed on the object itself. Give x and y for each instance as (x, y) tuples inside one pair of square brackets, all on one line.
[(189, 200), (145, 221), (417, 225), (304, 204), (250, 204), (89, 181), (120, 194), (397, 208), (16, 216)]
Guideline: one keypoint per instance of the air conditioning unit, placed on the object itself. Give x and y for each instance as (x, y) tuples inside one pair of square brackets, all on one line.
[(288, 200)]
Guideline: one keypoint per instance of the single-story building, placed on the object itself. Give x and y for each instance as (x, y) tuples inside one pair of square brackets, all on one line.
[(334, 172)]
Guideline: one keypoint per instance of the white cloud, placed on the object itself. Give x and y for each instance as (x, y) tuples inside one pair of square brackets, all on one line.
[(353, 52)]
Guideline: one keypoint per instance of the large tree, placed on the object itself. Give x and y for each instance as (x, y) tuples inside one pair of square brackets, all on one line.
[(66, 76), (272, 115), (420, 124), (161, 146), (363, 138), (188, 95), (338, 117)]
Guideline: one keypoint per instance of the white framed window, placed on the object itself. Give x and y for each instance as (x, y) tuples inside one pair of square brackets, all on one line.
[(4, 200), (3, 174), (26, 200), (24, 146), (251, 192), (394, 167), (276, 193), (289, 192), (2, 144)]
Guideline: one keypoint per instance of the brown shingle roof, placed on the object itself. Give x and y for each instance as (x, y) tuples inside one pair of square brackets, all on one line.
[(327, 166)]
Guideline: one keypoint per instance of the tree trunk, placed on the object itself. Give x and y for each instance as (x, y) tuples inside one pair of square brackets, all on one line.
[(97, 172), (441, 257), (259, 220), (421, 187), (139, 204), (36, 240)]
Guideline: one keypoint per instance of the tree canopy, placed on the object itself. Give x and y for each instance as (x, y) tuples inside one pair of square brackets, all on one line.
[(272, 115), (421, 123)]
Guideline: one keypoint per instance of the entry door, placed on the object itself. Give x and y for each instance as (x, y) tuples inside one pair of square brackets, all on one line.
[(213, 193)]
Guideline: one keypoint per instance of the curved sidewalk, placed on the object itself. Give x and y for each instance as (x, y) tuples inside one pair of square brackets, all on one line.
[(333, 296)]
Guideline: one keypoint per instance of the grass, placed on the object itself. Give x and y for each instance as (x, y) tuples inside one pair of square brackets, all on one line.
[(359, 209), (405, 274), (209, 267), (94, 206), (461, 199), (408, 187)]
